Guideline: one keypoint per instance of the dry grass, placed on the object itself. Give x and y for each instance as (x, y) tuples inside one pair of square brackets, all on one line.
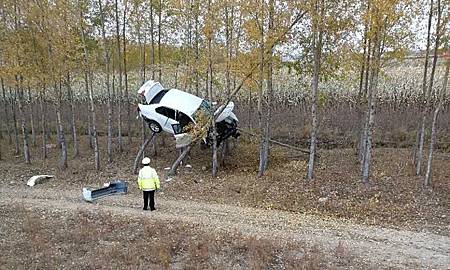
[(86, 240)]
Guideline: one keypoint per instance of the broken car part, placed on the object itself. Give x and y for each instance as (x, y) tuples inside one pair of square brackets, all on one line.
[(112, 188), (38, 179)]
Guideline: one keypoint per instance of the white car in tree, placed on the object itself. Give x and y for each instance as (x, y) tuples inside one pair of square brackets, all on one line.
[(171, 110)]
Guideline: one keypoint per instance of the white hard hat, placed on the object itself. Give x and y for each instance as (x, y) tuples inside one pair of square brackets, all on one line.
[(146, 161)]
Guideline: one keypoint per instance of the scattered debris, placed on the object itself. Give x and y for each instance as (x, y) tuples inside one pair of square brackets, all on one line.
[(323, 199), (189, 166), (167, 168), (38, 179), (116, 187)]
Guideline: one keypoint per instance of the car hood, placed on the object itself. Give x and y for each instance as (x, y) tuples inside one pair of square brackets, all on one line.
[(181, 101)]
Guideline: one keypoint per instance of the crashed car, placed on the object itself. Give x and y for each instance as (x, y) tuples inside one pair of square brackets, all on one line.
[(175, 111)]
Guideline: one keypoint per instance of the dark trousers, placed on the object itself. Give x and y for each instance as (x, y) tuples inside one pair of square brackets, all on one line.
[(150, 194)]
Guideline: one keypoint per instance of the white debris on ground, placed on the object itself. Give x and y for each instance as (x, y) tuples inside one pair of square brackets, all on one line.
[(36, 179)]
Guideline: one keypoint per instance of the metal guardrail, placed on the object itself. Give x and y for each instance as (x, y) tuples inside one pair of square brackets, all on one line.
[(113, 188)]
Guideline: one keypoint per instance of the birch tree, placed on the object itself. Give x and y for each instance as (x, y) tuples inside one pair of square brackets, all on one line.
[(160, 10), (119, 64), (317, 15), (437, 110), (125, 72), (420, 132), (385, 27), (429, 86), (209, 33), (107, 59), (72, 115), (88, 80)]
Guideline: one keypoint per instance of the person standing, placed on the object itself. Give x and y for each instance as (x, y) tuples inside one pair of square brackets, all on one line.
[(148, 182)]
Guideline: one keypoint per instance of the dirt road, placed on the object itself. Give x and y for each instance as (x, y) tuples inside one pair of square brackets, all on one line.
[(380, 247)]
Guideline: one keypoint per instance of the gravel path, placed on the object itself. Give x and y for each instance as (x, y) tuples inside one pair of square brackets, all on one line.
[(380, 247)]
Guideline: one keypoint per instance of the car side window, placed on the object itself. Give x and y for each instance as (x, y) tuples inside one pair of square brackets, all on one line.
[(166, 112)]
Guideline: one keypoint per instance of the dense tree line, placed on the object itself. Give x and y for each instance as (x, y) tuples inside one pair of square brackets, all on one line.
[(61, 54)]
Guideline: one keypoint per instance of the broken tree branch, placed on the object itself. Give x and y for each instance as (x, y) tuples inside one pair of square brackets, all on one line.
[(276, 142), (141, 151)]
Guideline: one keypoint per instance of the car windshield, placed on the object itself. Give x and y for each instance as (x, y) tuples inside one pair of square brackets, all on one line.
[(204, 109)]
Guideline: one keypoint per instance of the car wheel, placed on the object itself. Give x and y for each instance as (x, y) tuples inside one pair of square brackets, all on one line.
[(154, 126)]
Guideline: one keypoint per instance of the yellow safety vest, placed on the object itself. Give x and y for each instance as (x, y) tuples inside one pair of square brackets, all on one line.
[(148, 179)]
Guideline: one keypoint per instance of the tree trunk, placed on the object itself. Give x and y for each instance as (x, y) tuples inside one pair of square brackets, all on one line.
[(159, 42), (60, 129), (58, 136), (141, 152), (26, 149), (107, 82), (30, 109), (176, 76), (89, 78), (429, 172), (173, 169), (197, 49), (369, 56), (152, 40), (125, 73), (43, 122), (5, 107), (144, 60), (317, 41), (72, 118), (425, 96), (367, 158), (229, 16), (264, 150), (94, 125), (362, 92), (143, 132), (139, 40), (89, 120), (210, 95), (262, 158), (119, 92), (14, 116)]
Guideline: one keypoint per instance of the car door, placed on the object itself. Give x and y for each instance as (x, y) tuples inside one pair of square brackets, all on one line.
[(167, 118)]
